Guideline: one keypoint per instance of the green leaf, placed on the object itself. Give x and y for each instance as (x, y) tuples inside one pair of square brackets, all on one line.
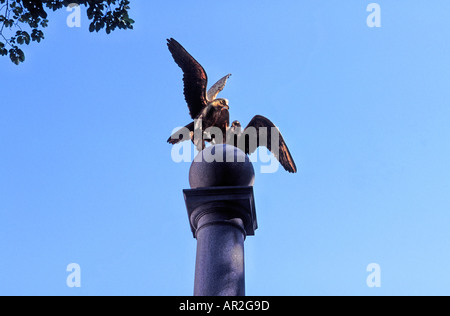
[(27, 37), (21, 56), (18, 15)]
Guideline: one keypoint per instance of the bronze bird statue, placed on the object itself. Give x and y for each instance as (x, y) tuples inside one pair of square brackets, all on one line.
[(207, 112), (204, 108)]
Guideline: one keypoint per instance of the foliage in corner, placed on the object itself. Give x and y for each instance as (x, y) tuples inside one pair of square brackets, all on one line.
[(22, 21)]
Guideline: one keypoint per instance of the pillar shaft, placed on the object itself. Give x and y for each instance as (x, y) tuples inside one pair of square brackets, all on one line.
[(220, 218), (219, 267)]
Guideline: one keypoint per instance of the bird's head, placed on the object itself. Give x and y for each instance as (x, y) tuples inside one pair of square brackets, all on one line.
[(236, 126), (220, 103)]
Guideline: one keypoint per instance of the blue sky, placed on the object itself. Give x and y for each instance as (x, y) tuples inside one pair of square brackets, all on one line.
[(87, 176)]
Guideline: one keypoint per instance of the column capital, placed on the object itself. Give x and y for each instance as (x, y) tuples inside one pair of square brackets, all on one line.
[(226, 202)]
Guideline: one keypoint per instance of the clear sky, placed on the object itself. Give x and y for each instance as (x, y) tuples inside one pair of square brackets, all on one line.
[(87, 176)]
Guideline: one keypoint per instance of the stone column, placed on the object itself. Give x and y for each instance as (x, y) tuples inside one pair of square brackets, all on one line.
[(221, 212)]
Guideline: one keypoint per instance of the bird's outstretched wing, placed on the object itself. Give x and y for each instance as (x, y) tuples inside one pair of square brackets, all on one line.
[(280, 150), (195, 78), (178, 135), (217, 87)]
